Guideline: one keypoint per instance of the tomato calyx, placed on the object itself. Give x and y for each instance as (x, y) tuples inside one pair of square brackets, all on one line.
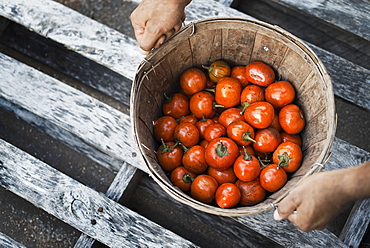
[(221, 150), (284, 160), (247, 137), (247, 156), (187, 178), (165, 148), (167, 98)]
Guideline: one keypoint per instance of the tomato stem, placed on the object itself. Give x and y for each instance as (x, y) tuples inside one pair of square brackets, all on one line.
[(167, 98), (221, 150), (247, 137), (247, 156), (262, 163), (165, 148), (245, 105), (187, 178), (284, 160), (183, 147)]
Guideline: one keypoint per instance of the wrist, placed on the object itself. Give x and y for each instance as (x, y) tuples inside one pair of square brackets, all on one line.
[(359, 181)]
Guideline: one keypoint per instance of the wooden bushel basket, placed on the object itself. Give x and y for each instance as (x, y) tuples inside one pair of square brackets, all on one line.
[(238, 41)]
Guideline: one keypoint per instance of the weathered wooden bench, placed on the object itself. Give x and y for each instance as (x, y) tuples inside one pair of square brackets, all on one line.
[(68, 78)]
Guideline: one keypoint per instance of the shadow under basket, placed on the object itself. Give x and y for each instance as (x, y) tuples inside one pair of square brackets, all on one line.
[(238, 41)]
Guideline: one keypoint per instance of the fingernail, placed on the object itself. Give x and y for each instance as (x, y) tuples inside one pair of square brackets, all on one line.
[(277, 215)]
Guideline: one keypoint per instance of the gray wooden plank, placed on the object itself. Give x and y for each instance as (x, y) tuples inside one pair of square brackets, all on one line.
[(124, 47), (350, 15), (355, 228), (124, 177), (286, 233), (82, 122), (78, 205), (7, 242)]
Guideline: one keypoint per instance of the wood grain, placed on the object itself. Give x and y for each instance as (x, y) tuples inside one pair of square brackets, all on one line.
[(78, 205), (7, 242)]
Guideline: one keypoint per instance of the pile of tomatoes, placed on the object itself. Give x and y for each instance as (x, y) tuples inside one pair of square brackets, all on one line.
[(231, 135)]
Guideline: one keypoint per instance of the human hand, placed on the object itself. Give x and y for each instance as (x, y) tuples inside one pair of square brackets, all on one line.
[(320, 197), (154, 21)]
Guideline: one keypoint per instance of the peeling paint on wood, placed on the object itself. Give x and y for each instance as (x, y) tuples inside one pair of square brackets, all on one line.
[(78, 205)]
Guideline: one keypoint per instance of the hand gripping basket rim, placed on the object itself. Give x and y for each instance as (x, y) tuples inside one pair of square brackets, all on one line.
[(148, 64)]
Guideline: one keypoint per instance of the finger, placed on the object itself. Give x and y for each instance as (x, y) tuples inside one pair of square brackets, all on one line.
[(289, 204)]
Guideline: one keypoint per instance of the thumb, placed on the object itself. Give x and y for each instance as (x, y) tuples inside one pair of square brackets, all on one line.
[(285, 208)]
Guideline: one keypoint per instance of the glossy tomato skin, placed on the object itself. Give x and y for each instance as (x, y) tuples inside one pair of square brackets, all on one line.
[(189, 118), (227, 195), (249, 149), (176, 106), (214, 131), (273, 178), (192, 80), (221, 153), (230, 115), (288, 156), (259, 114), (204, 188), (203, 143), (202, 124), (217, 70), (194, 159), (296, 138), (164, 128), (238, 72), (260, 73), (251, 192), (247, 168), (266, 140), (228, 92), (201, 105), (187, 134), (241, 132), (251, 94), (182, 178), (280, 93), (222, 176), (291, 119), (169, 156)]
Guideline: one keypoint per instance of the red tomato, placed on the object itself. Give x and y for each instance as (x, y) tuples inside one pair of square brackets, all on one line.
[(201, 105), (187, 134), (202, 124), (280, 93), (238, 72), (291, 119), (189, 118), (222, 176), (164, 128), (204, 188), (214, 131), (251, 94), (247, 168), (182, 178), (288, 155), (194, 159), (192, 81), (230, 115), (169, 155), (176, 106), (296, 138), (260, 73), (259, 114), (273, 178), (228, 92), (217, 70), (227, 195), (252, 192), (203, 143), (241, 132), (266, 140), (221, 153)]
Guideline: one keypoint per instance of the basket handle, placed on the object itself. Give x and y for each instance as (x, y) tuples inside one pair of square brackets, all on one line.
[(315, 168)]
